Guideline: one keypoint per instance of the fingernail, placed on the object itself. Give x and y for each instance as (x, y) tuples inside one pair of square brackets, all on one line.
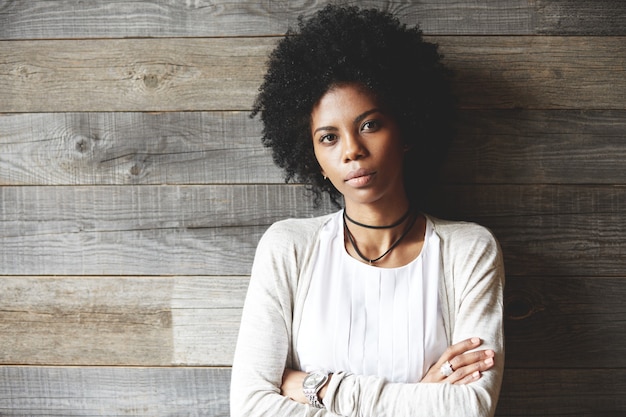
[(476, 375), (489, 361), (475, 340)]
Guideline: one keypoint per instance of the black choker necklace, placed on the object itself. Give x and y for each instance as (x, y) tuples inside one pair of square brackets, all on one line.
[(391, 226), (393, 245)]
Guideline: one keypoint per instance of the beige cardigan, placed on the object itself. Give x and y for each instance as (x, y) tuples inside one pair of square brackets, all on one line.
[(471, 300)]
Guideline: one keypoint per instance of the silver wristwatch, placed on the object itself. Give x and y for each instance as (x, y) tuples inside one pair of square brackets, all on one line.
[(313, 382)]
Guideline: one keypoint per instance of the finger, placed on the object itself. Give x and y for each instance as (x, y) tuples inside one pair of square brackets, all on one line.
[(462, 347), (471, 372), (474, 376), (471, 357)]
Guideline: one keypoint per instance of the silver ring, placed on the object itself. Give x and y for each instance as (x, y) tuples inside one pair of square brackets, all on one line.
[(446, 369)]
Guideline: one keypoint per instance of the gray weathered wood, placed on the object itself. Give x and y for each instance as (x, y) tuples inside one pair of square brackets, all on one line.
[(493, 146), (131, 74), (551, 322), (538, 147), (114, 392), (133, 148), (133, 321), (190, 230), (126, 238), (117, 392), (223, 74), (575, 17), (133, 230), (110, 19), (538, 72), (106, 19)]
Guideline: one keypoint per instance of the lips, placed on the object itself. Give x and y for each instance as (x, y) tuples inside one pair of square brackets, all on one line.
[(359, 177)]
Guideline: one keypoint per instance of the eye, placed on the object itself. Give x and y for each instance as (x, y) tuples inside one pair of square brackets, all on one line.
[(370, 126), (328, 138)]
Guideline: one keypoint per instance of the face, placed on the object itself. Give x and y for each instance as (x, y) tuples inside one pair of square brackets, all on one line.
[(358, 146)]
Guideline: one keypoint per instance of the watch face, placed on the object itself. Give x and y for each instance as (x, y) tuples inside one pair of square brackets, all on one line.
[(312, 380)]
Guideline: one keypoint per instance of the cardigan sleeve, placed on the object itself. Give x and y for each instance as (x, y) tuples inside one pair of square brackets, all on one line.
[(264, 340), (475, 279)]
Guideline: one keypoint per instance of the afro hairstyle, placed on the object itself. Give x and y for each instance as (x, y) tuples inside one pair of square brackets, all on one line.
[(348, 45)]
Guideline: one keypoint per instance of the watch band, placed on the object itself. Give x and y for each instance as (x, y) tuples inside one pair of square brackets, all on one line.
[(314, 400), (312, 384)]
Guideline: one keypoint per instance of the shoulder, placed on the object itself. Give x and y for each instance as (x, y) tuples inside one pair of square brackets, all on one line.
[(461, 232), (460, 235), (294, 233)]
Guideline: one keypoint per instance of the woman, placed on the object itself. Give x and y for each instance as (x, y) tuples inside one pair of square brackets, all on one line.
[(378, 309)]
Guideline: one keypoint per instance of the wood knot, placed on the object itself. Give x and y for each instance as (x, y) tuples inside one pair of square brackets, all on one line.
[(151, 80), (519, 307), (135, 170)]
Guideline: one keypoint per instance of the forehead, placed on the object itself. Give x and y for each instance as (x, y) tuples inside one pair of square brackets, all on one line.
[(344, 101)]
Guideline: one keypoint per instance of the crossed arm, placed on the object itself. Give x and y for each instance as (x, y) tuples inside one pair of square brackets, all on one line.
[(467, 364), (263, 383)]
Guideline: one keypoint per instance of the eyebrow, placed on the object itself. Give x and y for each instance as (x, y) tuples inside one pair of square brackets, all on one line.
[(357, 120)]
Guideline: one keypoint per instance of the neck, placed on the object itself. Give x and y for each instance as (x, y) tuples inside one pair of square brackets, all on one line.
[(378, 215), (396, 223), (386, 247)]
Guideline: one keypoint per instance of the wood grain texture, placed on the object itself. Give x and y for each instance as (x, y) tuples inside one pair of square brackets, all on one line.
[(110, 19), (538, 72), (565, 323), (132, 321), (151, 230), (191, 230), (493, 146), (550, 322), (538, 147), (113, 392), (134, 189), (198, 18), (563, 392), (214, 229), (133, 148), (131, 74), (223, 74), (574, 17)]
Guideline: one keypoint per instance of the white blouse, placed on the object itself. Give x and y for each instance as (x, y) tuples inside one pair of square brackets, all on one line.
[(368, 320)]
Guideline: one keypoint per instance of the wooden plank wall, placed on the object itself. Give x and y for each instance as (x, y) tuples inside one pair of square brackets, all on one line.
[(133, 190)]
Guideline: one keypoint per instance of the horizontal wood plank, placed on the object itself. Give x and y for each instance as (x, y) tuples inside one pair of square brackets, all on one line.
[(134, 321), (561, 323), (575, 17), (223, 74), (131, 74), (140, 230), (122, 392), (492, 147), (134, 148), (550, 322), (538, 147), (563, 392), (114, 392), (546, 230), (191, 230), (538, 72), (110, 19)]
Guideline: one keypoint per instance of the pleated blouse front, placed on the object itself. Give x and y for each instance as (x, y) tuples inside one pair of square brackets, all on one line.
[(367, 320)]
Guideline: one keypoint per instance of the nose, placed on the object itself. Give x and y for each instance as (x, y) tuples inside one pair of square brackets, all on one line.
[(353, 148)]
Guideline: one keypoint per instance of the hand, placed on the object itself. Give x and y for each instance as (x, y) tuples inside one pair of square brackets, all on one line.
[(467, 366), (292, 385)]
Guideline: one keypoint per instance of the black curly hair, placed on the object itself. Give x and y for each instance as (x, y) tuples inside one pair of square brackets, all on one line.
[(341, 45)]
